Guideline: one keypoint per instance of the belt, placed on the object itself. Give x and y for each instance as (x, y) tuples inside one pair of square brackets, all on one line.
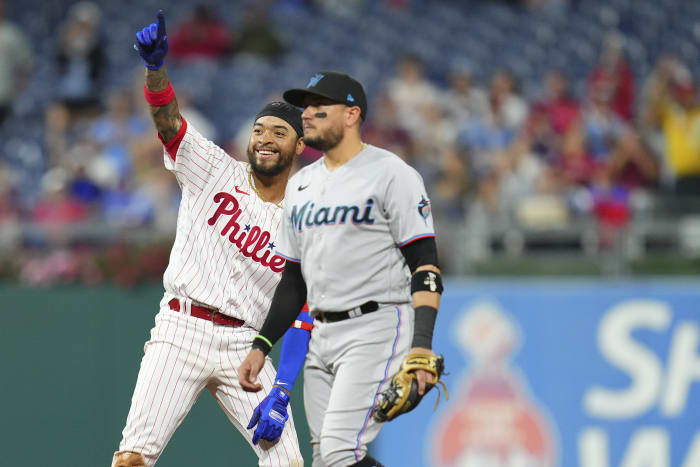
[(208, 314), (333, 316)]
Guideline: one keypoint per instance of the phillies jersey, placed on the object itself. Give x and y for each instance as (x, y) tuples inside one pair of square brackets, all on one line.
[(224, 251), (346, 226)]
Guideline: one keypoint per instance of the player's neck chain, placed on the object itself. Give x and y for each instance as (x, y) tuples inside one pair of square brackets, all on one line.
[(255, 189)]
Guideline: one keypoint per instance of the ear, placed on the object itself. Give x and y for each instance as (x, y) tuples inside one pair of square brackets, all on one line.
[(300, 146), (352, 115)]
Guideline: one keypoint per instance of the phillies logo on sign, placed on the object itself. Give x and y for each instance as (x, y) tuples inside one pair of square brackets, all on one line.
[(253, 242), (493, 421)]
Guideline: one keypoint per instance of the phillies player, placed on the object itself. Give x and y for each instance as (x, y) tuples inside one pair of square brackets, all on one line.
[(220, 278)]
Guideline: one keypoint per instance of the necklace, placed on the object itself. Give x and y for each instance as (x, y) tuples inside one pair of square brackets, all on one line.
[(255, 189)]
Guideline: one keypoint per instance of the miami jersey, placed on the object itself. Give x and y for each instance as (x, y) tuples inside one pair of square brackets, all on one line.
[(344, 227), (224, 251)]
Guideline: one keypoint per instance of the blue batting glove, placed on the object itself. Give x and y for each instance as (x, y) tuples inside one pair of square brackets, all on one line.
[(270, 416), (152, 43)]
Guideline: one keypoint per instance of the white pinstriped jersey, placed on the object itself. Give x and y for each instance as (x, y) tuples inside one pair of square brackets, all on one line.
[(224, 251)]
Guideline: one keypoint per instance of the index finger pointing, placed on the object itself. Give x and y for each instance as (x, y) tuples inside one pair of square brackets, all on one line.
[(161, 23)]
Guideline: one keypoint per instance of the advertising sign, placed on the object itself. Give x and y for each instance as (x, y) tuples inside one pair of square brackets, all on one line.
[(560, 373)]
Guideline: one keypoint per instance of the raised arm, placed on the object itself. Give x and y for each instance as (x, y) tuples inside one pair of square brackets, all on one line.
[(166, 117), (152, 45)]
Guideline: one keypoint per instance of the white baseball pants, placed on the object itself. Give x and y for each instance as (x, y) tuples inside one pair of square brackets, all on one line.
[(183, 356), (349, 363)]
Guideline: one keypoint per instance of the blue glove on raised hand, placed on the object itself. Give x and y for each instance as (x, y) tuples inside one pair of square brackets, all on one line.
[(270, 416), (152, 43)]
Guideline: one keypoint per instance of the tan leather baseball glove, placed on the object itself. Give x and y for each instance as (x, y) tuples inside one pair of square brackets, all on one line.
[(402, 394)]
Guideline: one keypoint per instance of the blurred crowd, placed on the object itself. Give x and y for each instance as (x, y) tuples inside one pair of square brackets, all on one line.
[(580, 146)]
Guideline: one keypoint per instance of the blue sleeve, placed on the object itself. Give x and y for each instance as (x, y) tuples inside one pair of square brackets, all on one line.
[(294, 347)]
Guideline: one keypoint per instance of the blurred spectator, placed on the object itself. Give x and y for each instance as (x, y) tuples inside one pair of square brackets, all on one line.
[(613, 77), (115, 129), (557, 106), (57, 131), (463, 99), (383, 129), (411, 93), (202, 35), (81, 59), (56, 207), (603, 125), (495, 131), (506, 106), (610, 206), (673, 107), (574, 165), (436, 134), (127, 205), (16, 59), (10, 231), (449, 189), (257, 35), (631, 165)]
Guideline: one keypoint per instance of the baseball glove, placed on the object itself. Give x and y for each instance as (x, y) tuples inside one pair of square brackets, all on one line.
[(402, 394)]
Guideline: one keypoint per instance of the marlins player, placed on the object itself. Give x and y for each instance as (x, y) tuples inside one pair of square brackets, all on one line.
[(358, 237), (220, 278)]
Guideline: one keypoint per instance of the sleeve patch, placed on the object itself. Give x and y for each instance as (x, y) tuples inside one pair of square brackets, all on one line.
[(424, 208)]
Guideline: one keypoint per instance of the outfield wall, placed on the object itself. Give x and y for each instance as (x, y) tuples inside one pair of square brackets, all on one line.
[(541, 372), (70, 356)]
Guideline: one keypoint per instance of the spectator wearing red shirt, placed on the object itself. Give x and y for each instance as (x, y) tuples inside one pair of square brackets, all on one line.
[(574, 165), (558, 106), (57, 207), (613, 76), (201, 36)]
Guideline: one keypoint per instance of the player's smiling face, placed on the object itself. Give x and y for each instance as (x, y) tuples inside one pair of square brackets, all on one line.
[(323, 122), (272, 146)]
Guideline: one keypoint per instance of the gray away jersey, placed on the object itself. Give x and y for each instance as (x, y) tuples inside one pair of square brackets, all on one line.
[(346, 227)]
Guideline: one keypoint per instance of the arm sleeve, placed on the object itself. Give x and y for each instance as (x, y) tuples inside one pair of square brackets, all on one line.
[(294, 347), (289, 298), (419, 253), (407, 206), (192, 158)]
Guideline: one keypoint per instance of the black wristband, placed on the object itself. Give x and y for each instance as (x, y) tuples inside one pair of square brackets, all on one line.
[(259, 342), (424, 326)]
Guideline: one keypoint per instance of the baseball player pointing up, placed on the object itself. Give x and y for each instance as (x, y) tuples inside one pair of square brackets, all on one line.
[(219, 281), (358, 237)]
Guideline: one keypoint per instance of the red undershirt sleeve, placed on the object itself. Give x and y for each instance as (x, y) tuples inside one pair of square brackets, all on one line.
[(172, 146)]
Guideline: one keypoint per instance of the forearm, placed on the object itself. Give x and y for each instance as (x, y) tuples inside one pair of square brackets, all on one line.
[(167, 117), (289, 298), (295, 345)]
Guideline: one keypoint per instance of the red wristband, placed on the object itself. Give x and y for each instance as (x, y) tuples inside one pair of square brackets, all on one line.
[(159, 98)]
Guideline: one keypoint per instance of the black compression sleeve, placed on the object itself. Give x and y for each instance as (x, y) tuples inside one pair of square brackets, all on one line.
[(289, 298), (420, 252)]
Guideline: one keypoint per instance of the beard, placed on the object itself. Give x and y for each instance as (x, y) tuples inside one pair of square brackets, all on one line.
[(327, 140), (284, 160)]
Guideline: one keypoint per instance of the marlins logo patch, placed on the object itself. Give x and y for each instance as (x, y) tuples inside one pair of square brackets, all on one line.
[(424, 207), (315, 79)]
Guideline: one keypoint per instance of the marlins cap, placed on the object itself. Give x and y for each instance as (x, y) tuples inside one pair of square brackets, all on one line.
[(338, 87)]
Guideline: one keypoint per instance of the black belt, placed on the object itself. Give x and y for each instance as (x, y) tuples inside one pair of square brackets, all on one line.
[(333, 316)]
